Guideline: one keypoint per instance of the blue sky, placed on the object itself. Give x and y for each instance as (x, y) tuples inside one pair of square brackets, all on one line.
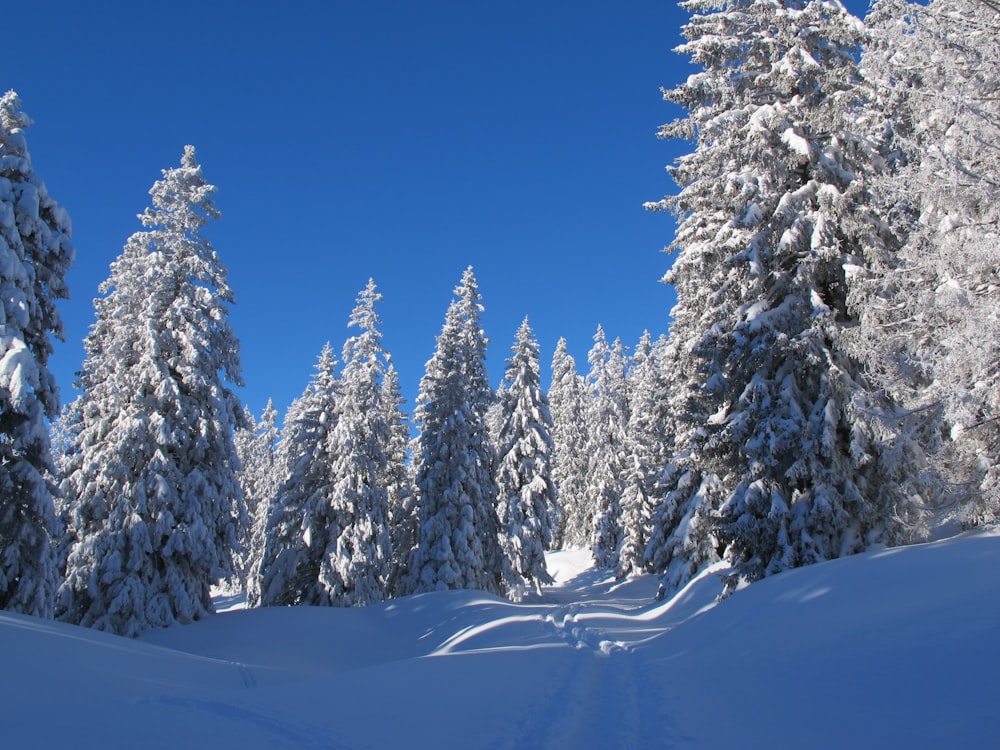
[(395, 140)]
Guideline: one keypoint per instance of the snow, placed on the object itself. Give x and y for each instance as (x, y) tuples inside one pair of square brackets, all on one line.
[(796, 143), (893, 648)]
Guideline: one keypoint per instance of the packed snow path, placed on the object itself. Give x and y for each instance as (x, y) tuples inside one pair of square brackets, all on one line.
[(888, 649)]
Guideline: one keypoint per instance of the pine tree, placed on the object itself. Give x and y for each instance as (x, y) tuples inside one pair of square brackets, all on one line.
[(664, 421), (243, 437), (527, 496), (496, 415), (355, 527), (402, 499), (568, 402), (682, 530), (646, 451), (606, 419), (156, 505), (256, 447), (35, 254), (457, 545), (290, 565), (774, 207), (930, 310)]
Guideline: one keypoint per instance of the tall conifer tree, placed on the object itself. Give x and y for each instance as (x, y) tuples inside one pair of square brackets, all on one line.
[(155, 501), (568, 402), (355, 528), (402, 499), (528, 501), (646, 443), (457, 545), (290, 565), (682, 537), (35, 253), (930, 310), (259, 476), (774, 207), (607, 418)]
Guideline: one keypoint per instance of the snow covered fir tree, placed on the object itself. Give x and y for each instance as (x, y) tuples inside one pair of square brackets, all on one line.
[(567, 405), (154, 504), (457, 545), (930, 311), (647, 453), (358, 551), (773, 208), (399, 484), (35, 253), (289, 566), (256, 447), (528, 499), (607, 416)]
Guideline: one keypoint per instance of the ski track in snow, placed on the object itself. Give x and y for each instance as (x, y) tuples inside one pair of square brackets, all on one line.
[(600, 703), (596, 701)]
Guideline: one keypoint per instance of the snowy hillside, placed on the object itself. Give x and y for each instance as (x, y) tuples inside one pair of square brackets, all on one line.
[(888, 649)]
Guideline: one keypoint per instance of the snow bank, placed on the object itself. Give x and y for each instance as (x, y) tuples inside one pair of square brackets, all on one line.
[(887, 649)]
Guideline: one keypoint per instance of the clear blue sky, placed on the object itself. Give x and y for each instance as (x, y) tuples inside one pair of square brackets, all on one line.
[(401, 141)]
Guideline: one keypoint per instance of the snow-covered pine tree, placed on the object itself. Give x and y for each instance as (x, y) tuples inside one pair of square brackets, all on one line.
[(35, 253), (243, 438), (496, 415), (155, 501), (607, 417), (356, 561), (256, 447), (457, 545), (402, 499), (568, 404), (773, 207), (930, 314), (290, 565), (528, 502), (646, 453), (682, 538)]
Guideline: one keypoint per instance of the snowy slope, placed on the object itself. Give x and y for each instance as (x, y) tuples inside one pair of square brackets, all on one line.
[(888, 649)]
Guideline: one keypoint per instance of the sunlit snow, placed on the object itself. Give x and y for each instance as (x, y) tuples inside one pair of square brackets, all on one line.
[(893, 648)]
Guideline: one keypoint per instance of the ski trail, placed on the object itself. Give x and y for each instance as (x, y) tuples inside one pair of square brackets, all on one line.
[(592, 697), (594, 702)]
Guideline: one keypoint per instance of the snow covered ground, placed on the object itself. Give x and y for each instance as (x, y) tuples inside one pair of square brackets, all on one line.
[(884, 650)]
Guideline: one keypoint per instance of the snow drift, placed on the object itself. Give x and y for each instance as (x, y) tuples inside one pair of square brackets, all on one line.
[(893, 648)]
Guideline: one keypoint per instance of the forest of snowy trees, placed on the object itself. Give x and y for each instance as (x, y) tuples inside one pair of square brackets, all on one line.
[(830, 381)]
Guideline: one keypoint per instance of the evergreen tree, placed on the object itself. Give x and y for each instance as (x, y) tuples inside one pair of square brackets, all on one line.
[(774, 207), (35, 254), (682, 536), (646, 451), (243, 437), (606, 419), (358, 549), (930, 310), (402, 499), (527, 495), (568, 402), (290, 565), (457, 545), (256, 447), (156, 505), (496, 415)]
